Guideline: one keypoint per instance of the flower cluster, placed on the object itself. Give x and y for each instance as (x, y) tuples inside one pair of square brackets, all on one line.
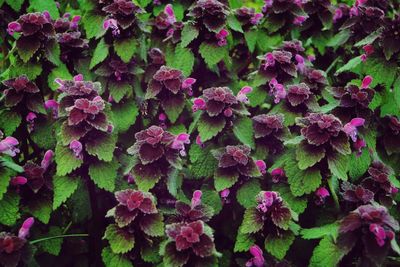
[(14, 248), (38, 176), (121, 14), (248, 16), (156, 150), (210, 13), (285, 12), (8, 145), (21, 91), (300, 96), (374, 226), (167, 23), (278, 64), (269, 131)]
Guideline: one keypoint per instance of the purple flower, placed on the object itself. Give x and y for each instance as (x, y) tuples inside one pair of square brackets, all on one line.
[(47, 159), (13, 27), (221, 36), (169, 11), (242, 94), (351, 128), (198, 104), (322, 193), (262, 167), (224, 193), (299, 20), (199, 142), (179, 143), (76, 148), (196, 199), (52, 105), (30, 119), (258, 258), (18, 180), (277, 90), (7, 146), (187, 85), (338, 15), (366, 82), (277, 175), (256, 18), (359, 145), (113, 25), (26, 226)]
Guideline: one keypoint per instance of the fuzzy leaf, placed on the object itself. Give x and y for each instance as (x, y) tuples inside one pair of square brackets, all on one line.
[(173, 106), (9, 209), (308, 155), (338, 165), (125, 114), (174, 181), (212, 54), (251, 39), (53, 52), (52, 246), (119, 89), (63, 187), (15, 4), (48, 5), (66, 160), (114, 260), (183, 59), (59, 72), (152, 224), (234, 24), (252, 222), (31, 69), (188, 34), (359, 164), (27, 47), (41, 209), (326, 254), (102, 147), (209, 127), (44, 134), (99, 54), (320, 232), (121, 240), (224, 179), (243, 130), (104, 174), (125, 48), (93, 24), (297, 204), (243, 242), (350, 65), (246, 192), (278, 246), (9, 121)]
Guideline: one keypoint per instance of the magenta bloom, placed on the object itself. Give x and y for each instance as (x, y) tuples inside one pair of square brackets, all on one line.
[(113, 25), (277, 175), (366, 82), (47, 159), (242, 95), (321, 194), (299, 20), (196, 199), (8, 146), (262, 167), (52, 105), (351, 128), (198, 104), (76, 148), (13, 27), (258, 258), (26, 226), (221, 36), (179, 143), (18, 180)]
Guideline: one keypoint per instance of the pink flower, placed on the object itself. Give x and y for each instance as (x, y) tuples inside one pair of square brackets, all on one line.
[(18, 180), (31, 117), (7, 146), (198, 104), (130, 179), (299, 20), (353, 11), (111, 23), (78, 78), (321, 194), (196, 199), (262, 167), (368, 49), (187, 85), (363, 57), (179, 143), (277, 174), (359, 145), (26, 226), (74, 22), (199, 142), (221, 36), (351, 128), (228, 112), (162, 117), (366, 82), (258, 258), (76, 148), (269, 60), (13, 27), (224, 193), (256, 18), (242, 95), (47, 159), (169, 11), (300, 62), (379, 232), (277, 90), (338, 15), (52, 105)]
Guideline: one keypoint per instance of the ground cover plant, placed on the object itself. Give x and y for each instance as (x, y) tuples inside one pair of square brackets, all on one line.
[(199, 133)]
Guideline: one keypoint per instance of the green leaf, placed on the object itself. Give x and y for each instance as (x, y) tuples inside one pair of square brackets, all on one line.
[(350, 65), (66, 160), (119, 89), (93, 24), (9, 121), (150, 253), (257, 96), (278, 246), (211, 199), (383, 72), (5, 177), (52, 246), (209, 127), (247, 192), (31, 69), (121, 240), (48, 5), (251, 39), (114, 260), (234, 23), (338, 165), (79, 204), (243, 242), (27, 47), (152, 224), (99, 54), (188, 34), (252, 222), (52, 52), (63, 187), (8, 163), (212, 54), (297, 204), (125, 48), (125, 114), (320, 232), (326, 254), (370, 38), (183, 59), (224, 179), (174, 181), (339, 39), (44, 134), (9, 209), (102, 147), (41, 209), (58, 72), (359, 164), (308, 155), (173, 106), (243, 130), (203, 162), (104, 174), (15, 4), (148, 180)]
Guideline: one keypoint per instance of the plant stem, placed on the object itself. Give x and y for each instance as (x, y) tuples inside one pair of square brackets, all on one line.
[(334, 195), (55, 237)]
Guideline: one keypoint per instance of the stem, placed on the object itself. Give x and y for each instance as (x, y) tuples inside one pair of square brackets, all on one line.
[(55, 237), (332, 65), (334, 195)]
